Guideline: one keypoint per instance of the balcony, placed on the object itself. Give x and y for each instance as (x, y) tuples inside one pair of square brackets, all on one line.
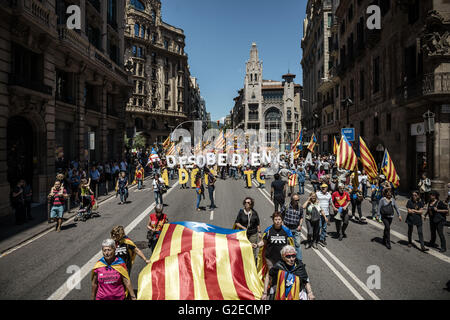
[(33, 10), (162, 112), (431, 87)]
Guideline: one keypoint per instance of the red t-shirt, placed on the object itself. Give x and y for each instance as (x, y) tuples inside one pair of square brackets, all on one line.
[(158, 224), (340, 200)]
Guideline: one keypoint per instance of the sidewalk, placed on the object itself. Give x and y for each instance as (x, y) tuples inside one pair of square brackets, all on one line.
[(12, 235)]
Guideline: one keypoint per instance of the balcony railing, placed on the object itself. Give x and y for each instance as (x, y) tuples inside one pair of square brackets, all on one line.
[(21, 81), (433, 84)]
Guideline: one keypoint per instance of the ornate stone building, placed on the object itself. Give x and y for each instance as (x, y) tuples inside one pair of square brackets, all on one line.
[(164, 94), (317, 87), (267, 104), (60, 88), (384, 81)]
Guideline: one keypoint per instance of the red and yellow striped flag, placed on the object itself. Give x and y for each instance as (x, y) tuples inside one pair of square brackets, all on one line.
[(166, 143), (367, 160), (346, 157), (219, 143), (171, 150), (335, 146), (388, 169), (312, 143), (198, 261)]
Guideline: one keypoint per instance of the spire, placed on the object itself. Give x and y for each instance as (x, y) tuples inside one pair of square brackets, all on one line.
[(254, 53)]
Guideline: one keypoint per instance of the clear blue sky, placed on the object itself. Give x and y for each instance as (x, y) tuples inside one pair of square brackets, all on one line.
[(219, 34)]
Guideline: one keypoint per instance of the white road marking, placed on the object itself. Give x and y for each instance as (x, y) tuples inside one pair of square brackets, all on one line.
[(69, 285), (338, 274), (436, 254)]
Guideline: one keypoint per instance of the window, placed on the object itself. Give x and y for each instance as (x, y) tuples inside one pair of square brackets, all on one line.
[(330, 20), (376, 74), (140, 87), (376, 128), (138, 5), (350, 13), (388, 122), (256, 77), (143, 32), (410, 62), (166, 44), (112, 12), (153, 16), (136, 30), (154, 37), (139, 52)]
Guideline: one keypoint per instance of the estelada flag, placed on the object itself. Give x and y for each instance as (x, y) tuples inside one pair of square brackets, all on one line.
[(346, 157), (367, 160), (312, 143), (335, 146), (198, 261), (388, 169), (292, 180), (298, 140)]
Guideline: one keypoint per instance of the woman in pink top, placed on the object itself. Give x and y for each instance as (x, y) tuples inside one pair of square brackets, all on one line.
[(321, 173), (110, 279)]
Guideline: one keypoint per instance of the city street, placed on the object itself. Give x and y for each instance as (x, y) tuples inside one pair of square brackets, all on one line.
[(339, 271)]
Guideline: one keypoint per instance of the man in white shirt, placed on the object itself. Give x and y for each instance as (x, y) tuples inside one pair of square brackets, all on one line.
[(362, 179), (324, 198)]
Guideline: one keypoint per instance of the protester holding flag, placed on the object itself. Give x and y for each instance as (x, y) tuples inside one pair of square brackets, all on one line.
[(248, 220), (110, 279), (386, 210), (155, 224), (125, 247), (288, 279)]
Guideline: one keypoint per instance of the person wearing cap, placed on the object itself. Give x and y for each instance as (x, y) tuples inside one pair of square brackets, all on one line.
[(155, 224), (340, 202), (324, 198)]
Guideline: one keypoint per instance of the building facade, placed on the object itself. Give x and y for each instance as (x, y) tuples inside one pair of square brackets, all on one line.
[(165, 94), (267, 104), (318, 112), (63, 91), (386, 80)]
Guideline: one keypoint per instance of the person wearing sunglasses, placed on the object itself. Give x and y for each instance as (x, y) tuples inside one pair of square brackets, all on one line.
[(248, 219), (288, 279)]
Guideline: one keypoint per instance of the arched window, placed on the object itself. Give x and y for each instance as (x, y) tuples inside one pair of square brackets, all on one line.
[(138, 5)]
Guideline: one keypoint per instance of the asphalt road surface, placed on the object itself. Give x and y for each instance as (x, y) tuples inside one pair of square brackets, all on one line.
[(58, 265)]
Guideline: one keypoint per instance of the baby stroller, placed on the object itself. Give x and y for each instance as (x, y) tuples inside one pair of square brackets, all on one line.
[(87, 208)]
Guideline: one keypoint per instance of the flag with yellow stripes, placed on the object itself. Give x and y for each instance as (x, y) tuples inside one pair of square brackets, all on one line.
[(198, 261)]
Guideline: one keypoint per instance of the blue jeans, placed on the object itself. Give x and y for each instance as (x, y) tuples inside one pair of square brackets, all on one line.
[(57, 212), (123, 195), (139, 184), (323, 228), (301, 188), (199, 198), (375, 204), (297, 242), (158, 197), (211, 196)]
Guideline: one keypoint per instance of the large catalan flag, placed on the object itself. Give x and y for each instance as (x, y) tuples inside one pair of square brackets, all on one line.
[(312, 143), (367, 160), (335, 146), (346, 157), (198, 261), (388, 169)]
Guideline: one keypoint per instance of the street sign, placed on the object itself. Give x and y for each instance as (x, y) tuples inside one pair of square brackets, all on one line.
[(349, 133)]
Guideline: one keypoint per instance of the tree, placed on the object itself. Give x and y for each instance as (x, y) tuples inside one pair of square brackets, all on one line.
[(139, 141)]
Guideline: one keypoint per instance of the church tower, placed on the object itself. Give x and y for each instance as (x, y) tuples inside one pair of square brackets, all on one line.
[(252, 88)]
